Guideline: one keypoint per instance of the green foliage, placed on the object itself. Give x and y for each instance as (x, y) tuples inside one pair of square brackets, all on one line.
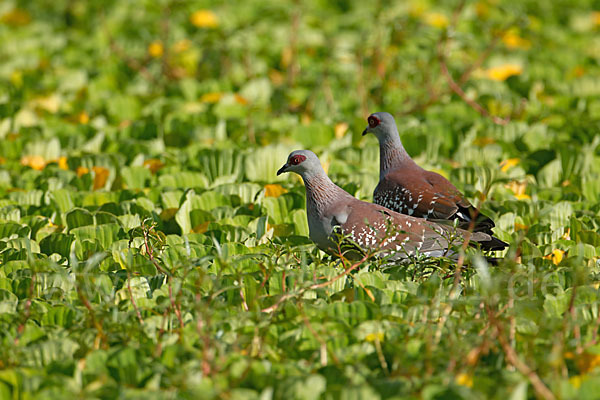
[(146, 250)]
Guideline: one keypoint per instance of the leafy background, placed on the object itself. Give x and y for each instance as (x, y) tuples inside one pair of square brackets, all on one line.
[(147, 247)]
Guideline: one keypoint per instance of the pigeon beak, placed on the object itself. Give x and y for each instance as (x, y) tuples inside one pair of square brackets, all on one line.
[(282, 169), (366, 131)]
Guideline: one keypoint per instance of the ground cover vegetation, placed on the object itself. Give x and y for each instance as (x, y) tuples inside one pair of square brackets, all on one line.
[(148, 249)]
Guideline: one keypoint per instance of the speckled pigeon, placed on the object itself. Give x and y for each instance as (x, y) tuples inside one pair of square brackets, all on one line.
[(332, 211), (407, 188)]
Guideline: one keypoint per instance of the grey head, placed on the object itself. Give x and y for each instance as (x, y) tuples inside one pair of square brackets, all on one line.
[(303, 162), (382, 125)]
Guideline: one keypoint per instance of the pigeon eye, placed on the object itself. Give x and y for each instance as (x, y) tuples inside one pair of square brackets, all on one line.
[(297, 159), (373, 121)]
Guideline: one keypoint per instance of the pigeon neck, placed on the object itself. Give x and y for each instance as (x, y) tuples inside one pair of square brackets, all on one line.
[(391, 155), (321, 193)]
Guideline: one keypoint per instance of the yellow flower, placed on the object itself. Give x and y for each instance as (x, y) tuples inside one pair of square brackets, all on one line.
[(464, 379), (156, 49), (274, 190), (371, 337), (340, 130), (436, 19), (62, 163), (240, 99), (596, 17), (508, 164), (520, 227), (100, 177), (503, 72), (518, 188), (35, 162), (83, 118), (556, 256), (204, 19), (81, 171), (212, 97), (512, 40), (522, 196)]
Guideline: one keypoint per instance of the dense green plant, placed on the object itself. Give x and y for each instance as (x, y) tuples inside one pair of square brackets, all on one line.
[(148, 249)]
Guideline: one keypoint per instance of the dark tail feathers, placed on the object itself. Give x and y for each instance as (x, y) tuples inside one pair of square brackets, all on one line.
[(493, 244)]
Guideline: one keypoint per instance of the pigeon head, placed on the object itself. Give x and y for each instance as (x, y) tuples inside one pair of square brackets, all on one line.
[(302, 162), (382, 125)]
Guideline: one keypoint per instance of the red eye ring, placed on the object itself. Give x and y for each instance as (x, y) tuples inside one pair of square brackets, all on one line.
[(373, 121), (297, 159)]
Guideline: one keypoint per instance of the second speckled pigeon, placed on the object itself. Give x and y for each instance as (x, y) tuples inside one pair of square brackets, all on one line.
[(409, 189)]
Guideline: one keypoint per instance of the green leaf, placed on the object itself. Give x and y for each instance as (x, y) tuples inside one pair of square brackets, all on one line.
[(125, 367), (8, 229), (29, 198), (57, 243), (313, 135), (221, 166), (79, 217), (133, 261), (22, 243), (277, 208), (247, 192), (59, 316), (300, 221), (63, 199), (184, 179), (136, 177), (45, 353), (271, 159), (555, 306), (105, 234), (8, 302), (122, 108)]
